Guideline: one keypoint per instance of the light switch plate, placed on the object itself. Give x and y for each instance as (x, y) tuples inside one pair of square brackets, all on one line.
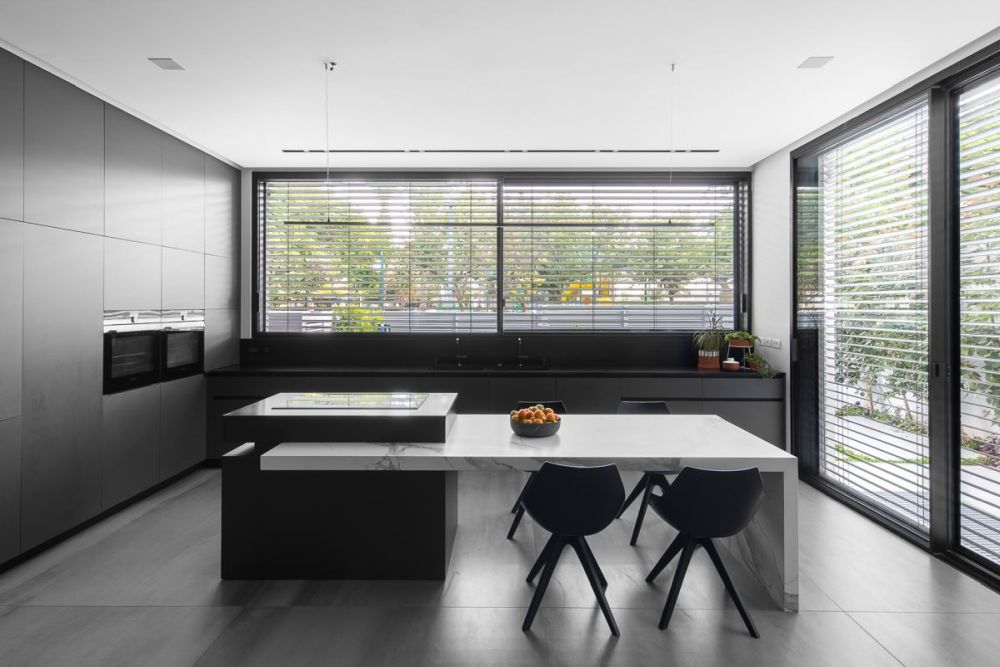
[(770, 342)]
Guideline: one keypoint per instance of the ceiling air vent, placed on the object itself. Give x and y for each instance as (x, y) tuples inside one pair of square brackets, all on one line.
[(815, 62), (166, 63)]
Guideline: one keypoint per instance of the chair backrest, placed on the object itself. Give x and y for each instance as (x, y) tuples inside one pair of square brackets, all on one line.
[(711, 503), (558, 406), (626, 407), (574, 500)]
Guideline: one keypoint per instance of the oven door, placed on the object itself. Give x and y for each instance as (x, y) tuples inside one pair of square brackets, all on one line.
[(131, 359), (183, 354)]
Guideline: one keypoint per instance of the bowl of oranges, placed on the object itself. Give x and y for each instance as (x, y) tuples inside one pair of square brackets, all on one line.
[(536, 421)]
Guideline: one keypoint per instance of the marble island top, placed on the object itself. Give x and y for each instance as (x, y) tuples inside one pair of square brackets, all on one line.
[(486, 442)]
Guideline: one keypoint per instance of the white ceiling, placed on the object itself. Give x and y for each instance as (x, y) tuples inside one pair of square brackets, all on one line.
[(446, 74)]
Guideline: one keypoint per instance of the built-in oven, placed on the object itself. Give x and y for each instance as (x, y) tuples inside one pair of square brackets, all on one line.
[(183, 353), (183, 343), (131, 359)]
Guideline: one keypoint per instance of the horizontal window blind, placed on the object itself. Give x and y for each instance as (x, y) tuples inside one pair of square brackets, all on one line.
[(979, 307), (617, 256), (377, 255), (873, 338)]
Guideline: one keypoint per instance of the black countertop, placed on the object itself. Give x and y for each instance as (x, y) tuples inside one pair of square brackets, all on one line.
[(305, 371)]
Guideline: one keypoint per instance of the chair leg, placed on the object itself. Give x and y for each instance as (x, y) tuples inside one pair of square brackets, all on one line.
[(520, 496), (542, 558), (667, 556), (591, 568), (543, 583), (593, 561), (515, 522), (644, 503), (675, 587), (724, 574), (639, 488)]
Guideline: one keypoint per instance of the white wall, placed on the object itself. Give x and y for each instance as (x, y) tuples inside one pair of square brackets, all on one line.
[(771, 269)]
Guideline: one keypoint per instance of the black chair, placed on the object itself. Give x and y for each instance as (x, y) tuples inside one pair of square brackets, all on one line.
[(571, 503), (518, 509), (648, 479), (703, 505)]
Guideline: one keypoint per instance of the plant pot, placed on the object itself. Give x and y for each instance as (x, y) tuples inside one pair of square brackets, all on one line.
[(747, 344), (708, 360), (730, 366)]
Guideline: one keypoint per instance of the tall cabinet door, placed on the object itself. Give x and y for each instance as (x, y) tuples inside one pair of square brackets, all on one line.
[(11, 137), (62, 381)]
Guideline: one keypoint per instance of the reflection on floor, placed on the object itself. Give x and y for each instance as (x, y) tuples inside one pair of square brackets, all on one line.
[(142, 587)]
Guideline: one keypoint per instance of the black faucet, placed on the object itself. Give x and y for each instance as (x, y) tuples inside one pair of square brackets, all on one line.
[(458, 352), (521, 357)]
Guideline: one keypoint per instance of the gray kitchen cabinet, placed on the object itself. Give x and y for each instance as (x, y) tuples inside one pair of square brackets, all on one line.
[(473, 393), (222, 338), (221, 282), (10, 488), (765, 419), (63, 154), (133, 180), (131, 443), (183, 280), (583, 395), (506, 391), (11, 298), (182, 425), (183, 196), (662, 388), (132, 275), (62, 382), (11, 136), (222, 192)]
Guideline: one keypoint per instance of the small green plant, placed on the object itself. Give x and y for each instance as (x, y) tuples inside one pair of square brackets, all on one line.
[(758, 363), (741, 336), (712, 338)]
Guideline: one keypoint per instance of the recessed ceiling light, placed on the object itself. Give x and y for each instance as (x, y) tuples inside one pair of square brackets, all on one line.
[(815, 62), (165, 63)]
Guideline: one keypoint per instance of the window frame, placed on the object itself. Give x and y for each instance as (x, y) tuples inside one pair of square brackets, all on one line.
[(742, 192)]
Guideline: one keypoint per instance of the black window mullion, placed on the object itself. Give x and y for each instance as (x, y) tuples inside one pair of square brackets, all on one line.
[(943, 390)]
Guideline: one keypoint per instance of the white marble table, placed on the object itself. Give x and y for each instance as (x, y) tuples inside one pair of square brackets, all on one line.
[(768, 547)]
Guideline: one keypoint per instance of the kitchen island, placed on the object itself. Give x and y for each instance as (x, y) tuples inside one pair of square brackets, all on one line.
[(388, 510)]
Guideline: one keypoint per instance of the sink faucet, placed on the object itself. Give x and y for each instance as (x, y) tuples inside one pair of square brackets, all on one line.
[(520, 353), (458, 352)]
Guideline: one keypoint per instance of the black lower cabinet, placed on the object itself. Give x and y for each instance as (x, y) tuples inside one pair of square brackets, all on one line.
[(335, 524)]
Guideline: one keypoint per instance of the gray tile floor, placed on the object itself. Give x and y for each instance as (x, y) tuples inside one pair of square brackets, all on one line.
[(142, 588)]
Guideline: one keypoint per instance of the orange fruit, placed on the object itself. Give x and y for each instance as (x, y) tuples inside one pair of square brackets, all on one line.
[(536, 420), (550, 417)]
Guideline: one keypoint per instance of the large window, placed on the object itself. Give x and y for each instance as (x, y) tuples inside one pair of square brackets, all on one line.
[(585, 256), (433, 255), (370, 256)]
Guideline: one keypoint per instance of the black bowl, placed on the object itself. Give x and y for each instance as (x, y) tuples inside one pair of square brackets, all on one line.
[(535, 430)]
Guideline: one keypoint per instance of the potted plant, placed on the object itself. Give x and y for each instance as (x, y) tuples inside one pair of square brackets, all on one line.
[(709, 343), (759, 364), (743, 339)]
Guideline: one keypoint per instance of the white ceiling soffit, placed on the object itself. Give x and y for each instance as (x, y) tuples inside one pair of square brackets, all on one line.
[(470, 74)]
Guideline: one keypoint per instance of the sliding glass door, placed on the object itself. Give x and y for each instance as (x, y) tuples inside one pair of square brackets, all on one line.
[(979, 313), (896, 342), (870, 314)]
